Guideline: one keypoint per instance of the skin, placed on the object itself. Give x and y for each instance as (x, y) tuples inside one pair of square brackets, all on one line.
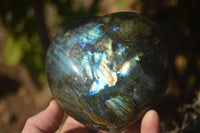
[(49, 120)]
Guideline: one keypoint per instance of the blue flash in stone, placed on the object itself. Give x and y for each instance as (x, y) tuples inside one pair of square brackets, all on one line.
[(135, 94), (115, 28), (110, 98)]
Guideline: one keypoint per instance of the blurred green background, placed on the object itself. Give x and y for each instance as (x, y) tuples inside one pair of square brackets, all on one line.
[(28, 26)]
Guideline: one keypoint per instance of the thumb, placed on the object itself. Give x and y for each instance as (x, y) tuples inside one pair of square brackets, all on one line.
[(48, 120), (150, 122)]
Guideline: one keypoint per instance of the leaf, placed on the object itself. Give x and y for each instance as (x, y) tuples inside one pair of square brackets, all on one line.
[(121, 3), (12, 52)]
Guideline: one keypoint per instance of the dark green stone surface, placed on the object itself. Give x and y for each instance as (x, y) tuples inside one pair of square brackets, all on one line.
[(107, 71)]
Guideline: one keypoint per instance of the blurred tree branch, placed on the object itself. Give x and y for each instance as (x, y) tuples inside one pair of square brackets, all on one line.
[(40, 23)]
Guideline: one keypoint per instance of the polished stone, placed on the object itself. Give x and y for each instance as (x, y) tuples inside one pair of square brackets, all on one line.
[(107, 71)]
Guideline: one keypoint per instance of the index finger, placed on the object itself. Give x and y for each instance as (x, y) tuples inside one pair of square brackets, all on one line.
[(48, 120)]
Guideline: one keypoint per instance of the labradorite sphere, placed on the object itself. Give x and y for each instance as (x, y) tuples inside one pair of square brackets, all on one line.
[(107, 71)]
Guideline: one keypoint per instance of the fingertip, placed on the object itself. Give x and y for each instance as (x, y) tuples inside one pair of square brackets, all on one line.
[(55, 108), (150, 122), (73, 126)]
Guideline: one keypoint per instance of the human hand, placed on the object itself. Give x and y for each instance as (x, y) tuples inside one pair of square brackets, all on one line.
[(49, 120)]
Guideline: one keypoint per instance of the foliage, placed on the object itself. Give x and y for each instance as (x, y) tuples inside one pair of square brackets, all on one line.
[(121, 3), (24, 50), (13, 52), (22, 44)]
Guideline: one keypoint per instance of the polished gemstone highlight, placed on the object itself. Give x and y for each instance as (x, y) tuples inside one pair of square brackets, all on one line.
[(107, 71)]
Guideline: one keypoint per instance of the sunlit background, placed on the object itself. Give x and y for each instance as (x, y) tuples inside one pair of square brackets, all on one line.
[(28, 26)]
